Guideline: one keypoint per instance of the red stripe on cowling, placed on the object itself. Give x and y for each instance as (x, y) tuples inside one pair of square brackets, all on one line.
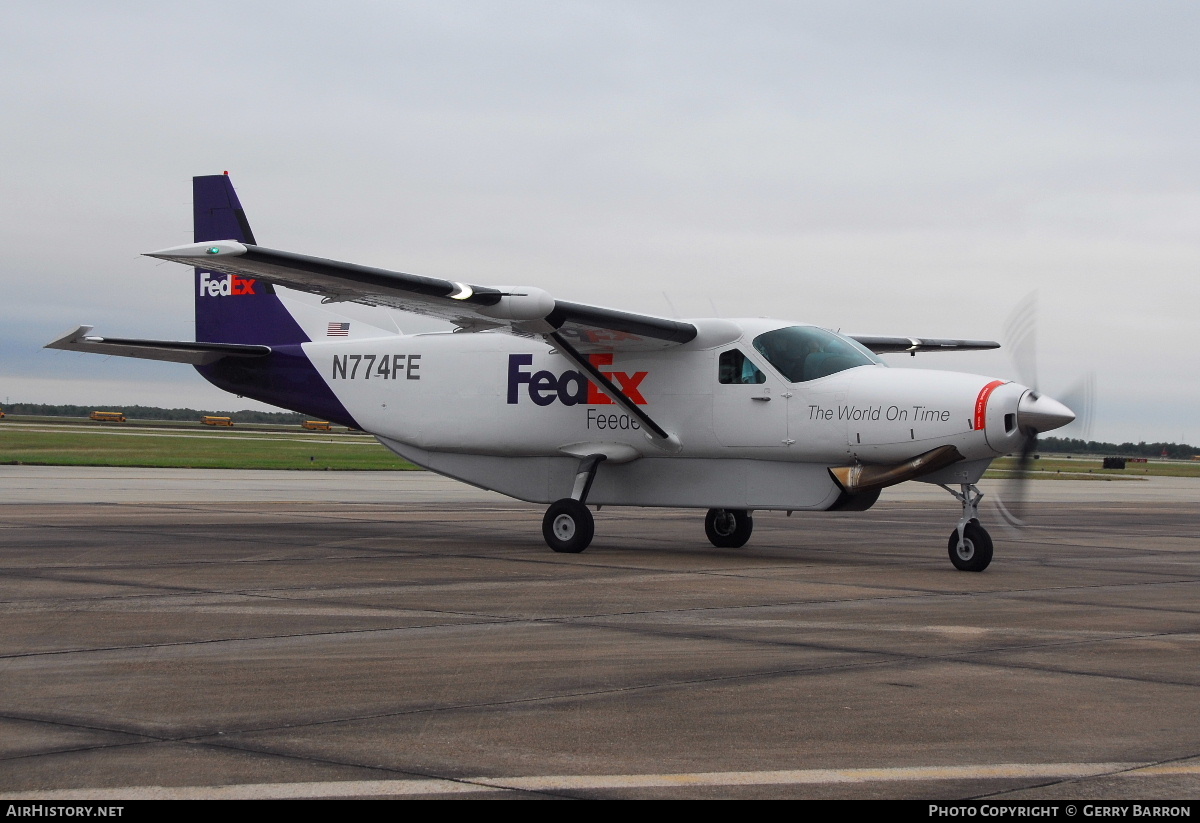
[(981, 403)]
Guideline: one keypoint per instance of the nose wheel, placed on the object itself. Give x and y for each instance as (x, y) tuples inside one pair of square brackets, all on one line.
[(972, 550), (970, 545)]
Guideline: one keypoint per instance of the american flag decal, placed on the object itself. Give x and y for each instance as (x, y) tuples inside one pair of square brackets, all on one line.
[(338, 330)]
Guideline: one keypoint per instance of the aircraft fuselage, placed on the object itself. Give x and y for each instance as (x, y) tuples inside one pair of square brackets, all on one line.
[(515, 415)]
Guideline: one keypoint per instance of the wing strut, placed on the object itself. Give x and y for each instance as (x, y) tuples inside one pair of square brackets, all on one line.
[(657, 434)]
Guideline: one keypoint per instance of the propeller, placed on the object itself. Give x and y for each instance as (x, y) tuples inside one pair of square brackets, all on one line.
[(1036, 412), (1020, 338), (1081, 399)]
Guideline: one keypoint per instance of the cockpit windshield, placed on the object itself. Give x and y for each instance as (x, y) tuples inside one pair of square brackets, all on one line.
[(803, 353)]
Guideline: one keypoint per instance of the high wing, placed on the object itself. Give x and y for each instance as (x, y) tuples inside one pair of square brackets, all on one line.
[(912, 345), (198, 354), (524, 311)]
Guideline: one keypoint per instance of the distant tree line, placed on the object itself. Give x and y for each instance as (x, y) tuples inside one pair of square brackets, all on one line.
[(153, 413), (1069, 445)]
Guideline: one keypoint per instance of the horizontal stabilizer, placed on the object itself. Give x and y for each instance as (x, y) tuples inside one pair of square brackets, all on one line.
[(175, 351), (912, 345)]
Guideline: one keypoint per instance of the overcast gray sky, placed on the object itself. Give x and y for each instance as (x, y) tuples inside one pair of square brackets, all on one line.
[(897, 168)]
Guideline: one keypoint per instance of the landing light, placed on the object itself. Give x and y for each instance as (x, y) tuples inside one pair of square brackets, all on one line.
[(463, 291)]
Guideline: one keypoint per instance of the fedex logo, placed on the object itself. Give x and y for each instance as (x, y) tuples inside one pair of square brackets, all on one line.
[(571, 388), (228, 284)]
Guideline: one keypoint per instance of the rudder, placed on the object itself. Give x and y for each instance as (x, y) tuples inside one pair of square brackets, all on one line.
[(217, 214)]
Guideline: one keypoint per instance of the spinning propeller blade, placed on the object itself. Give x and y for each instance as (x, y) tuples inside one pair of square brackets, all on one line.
[(1035, 412), (1012, 502), (1081, 399), (1020, 339)]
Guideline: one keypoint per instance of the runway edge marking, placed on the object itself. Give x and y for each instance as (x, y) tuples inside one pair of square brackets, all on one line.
[(400, 788)]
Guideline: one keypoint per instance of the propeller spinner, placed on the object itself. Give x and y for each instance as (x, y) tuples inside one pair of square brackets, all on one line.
[(1039, 413)]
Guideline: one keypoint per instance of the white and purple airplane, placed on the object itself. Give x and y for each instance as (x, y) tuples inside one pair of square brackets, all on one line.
[(575, 405)]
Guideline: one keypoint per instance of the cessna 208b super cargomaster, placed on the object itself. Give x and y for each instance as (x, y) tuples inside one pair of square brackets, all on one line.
[(568, 404)]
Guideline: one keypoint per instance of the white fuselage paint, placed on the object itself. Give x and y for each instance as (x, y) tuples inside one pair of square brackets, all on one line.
[(513, 415)]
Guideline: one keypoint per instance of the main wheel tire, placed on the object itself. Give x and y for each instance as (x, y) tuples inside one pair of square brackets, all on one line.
[(728, 528), (976, 551), (568, 526)]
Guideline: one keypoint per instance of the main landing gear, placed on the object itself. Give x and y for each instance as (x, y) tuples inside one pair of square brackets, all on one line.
[(970, 545), (728, 528), (568, 526)]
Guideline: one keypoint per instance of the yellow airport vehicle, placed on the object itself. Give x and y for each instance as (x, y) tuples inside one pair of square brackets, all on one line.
[(213, 420), (108, 416), (317, 425)]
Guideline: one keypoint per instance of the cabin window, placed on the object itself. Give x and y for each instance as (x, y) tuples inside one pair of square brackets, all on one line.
[(803, 353), (733, 367)]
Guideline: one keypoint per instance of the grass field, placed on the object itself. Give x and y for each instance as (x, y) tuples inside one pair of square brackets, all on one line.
[(191, 445), (135, 423), (1082, 467), (293, 449)]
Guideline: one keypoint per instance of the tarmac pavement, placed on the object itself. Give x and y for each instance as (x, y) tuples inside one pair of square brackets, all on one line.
[(311, 634)]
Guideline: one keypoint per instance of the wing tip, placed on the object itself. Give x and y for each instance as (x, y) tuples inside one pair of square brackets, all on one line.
[(213, 248)]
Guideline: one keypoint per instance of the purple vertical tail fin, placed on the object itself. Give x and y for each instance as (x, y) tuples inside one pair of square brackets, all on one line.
[(231, 309)]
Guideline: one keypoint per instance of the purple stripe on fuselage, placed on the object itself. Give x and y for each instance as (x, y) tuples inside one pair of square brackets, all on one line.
[(285, 378)]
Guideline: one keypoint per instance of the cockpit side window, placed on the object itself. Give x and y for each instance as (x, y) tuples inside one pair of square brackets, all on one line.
[(803, 353), (733, 367)]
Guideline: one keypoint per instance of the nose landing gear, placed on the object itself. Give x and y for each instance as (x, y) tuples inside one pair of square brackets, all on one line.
[(970, 546), (972, 550)]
